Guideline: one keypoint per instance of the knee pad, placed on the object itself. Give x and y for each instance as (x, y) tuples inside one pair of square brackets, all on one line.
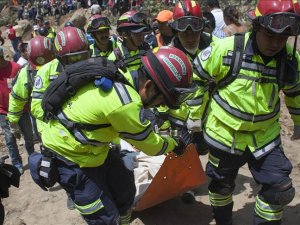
[(280, 194), (221, 187)]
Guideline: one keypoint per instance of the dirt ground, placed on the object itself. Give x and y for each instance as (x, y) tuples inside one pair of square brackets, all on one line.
[(30, 205)]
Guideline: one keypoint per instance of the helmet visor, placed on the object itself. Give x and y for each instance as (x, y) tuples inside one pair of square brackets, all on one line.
[(138, 18), (281, 23), (76, 57), (183, 94), (100, 22), (182, 24)]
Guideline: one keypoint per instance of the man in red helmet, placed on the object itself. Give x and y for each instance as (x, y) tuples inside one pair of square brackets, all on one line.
[(94, 175), (132, 27), (242, 119), (188, 25), (71, 46), (39, 52), (99, 27)]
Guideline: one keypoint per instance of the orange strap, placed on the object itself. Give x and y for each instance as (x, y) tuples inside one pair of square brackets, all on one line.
[(176, 175)]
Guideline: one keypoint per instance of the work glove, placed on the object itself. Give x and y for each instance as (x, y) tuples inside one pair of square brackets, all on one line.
[(296, 135), (183, 139), (194, 125), (179, 149), (15, 130)]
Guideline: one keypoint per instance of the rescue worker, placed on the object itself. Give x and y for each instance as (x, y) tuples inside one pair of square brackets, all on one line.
[(188, 25), (39, 52), (131, 26), (100, 185), (165, 34), (71, 46), (242, 120), (51, 31), (104, 44)]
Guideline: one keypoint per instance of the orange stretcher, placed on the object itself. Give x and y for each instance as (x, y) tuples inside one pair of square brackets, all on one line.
[(176, 175)]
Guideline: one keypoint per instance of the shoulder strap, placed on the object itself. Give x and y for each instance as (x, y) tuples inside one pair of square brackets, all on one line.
[(236, 61), (235, 66)]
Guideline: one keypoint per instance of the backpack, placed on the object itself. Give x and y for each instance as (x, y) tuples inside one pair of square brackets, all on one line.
[(74, 77)]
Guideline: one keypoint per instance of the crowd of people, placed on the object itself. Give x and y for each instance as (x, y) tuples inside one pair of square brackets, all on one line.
[(200, 73)]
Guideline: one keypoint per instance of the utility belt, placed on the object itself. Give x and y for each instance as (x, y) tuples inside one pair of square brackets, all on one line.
[(44, 167)]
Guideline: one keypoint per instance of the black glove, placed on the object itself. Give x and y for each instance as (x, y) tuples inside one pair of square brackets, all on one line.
[(179, 149), (183, 139)]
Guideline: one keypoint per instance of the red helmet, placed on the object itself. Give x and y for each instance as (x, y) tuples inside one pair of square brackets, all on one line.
[(70, 40), (40, 51), (187, 13), (172, 72), (71, 45), (278, 16), (186, 8), (133, 21)]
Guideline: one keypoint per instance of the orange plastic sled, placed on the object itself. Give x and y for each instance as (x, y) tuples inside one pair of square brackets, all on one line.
[(176, 175)]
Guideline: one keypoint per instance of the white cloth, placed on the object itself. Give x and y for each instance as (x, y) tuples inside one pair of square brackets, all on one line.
[(144, 167), (218, 14), (22, 61)]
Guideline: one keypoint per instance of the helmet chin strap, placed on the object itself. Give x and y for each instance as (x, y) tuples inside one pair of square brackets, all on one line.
[(295, 46), (192, 51), (148, 102), (129, 37)]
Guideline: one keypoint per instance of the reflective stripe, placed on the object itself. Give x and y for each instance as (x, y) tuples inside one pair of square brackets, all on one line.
[(195, 102), (258, 153), (200, 71), (16, 113), (294, 111), (138, 136), (125, 220), (163, 149), (292, 90), (38, 95), (243, 115), (258, 80), (221, 146), (13, 94), (90, 208), (53, 77), (122, 93), (267, 211), (253, 66), (213, 160), (219, 200), (176, 121), (78, 134)]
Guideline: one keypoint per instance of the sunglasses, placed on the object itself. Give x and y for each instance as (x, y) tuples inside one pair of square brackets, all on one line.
[(181, 24)]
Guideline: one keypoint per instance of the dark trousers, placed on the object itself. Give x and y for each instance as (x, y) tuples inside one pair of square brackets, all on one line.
[(270, 170), (111, 182)]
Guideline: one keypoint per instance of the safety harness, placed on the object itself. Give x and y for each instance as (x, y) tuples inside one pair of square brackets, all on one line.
[(284, 67)]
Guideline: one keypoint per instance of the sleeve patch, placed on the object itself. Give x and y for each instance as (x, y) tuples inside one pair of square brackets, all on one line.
[(38, 82), (206, 53)]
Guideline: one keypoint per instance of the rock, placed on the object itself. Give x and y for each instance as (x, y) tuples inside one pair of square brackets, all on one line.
[(22, 27), (79, 18)]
